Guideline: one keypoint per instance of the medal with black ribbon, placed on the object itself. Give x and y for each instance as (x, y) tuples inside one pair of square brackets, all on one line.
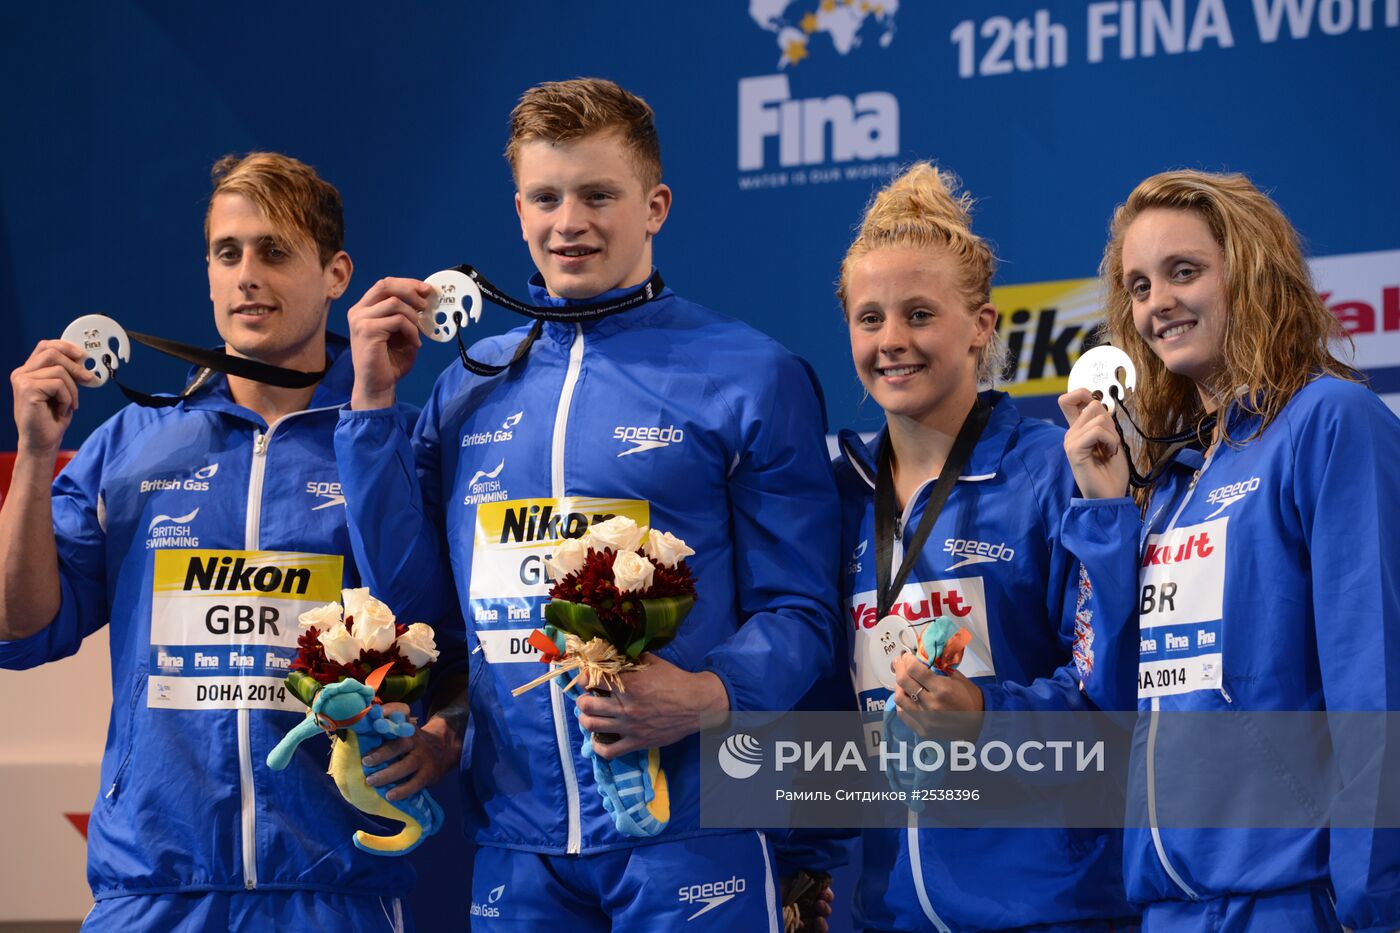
[(456, 303), (886, 525), (1109, 375), (107, 345)]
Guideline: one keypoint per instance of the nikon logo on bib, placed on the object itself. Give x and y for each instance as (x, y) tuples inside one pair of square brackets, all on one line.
[(509, 584), (224, 625)]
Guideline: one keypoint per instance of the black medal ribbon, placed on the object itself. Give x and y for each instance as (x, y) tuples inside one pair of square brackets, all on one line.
[(1175, 442), (210, 361), (647, 291), (886, 508)]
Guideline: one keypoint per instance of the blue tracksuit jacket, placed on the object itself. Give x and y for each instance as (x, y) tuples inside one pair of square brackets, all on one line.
[(995, 564), (186, 802), (670, 414), (1278, 562)]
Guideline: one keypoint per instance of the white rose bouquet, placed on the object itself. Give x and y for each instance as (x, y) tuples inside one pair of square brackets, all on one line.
[(351, 656), (614, 598), (351, 642)]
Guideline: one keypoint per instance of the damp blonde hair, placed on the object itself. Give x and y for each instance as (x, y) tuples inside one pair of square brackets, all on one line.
[(1278, 332), (924, 208), (295, 200), (565, 111)]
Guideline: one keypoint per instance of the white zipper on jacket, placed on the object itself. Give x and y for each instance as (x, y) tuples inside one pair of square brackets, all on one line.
[(916, 868), (556, 696), (916, 863), (252, 528), (1152, 729)]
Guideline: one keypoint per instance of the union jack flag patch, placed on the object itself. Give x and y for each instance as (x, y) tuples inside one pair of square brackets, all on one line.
[(1083, 649)]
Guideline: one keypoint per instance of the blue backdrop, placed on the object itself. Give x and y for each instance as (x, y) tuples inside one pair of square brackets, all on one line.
[(777, 119)]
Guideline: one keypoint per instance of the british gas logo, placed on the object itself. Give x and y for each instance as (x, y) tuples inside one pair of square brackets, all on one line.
[(863, 128)]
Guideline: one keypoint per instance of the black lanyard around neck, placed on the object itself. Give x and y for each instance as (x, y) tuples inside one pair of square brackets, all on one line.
[(649, 290), (211, 361), (1174, 442), (886, 508)]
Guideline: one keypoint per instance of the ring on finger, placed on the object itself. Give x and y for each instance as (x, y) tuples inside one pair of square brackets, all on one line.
[(915, 695)]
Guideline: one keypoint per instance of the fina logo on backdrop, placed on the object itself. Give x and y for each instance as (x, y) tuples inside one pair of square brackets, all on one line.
[(819, 139)]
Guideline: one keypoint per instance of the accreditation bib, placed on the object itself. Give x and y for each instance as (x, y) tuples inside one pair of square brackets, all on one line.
[(509, 582), (878, 642), (224, 625), (1181, 591)]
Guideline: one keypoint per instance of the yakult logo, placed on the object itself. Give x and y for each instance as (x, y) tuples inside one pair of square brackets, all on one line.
[(1197, 545), (947, 602)]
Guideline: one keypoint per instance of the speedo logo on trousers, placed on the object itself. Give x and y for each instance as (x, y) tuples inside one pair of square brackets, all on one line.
[(237, 575), (647, 438), (711, 894)]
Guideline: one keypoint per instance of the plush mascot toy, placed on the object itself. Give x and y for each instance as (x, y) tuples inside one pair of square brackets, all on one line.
[(350, 714), (941, 647)]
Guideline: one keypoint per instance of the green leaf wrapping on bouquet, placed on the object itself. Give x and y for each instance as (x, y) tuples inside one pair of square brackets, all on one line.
[(401, 688), (398, 688), (661, 618), (574, 619), (303, 686)]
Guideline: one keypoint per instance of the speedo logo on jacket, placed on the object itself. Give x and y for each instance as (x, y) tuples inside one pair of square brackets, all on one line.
[(647, 438), (977, 552), (1226, 496)]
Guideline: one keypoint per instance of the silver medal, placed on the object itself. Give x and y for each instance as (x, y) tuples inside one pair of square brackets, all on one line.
[(455, 303), (1103, 369), (103, 341)]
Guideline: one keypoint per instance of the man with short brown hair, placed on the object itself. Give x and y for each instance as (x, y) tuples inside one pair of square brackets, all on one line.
[(666, 412), (191, 830)]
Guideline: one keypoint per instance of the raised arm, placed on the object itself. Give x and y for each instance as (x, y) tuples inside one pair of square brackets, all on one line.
[(46, 395)]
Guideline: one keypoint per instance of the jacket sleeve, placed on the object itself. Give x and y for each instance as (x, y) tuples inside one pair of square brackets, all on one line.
[(786, 531), (395, 517), (1346, 489), (82, 562), (1049, 477), (1101, 535)]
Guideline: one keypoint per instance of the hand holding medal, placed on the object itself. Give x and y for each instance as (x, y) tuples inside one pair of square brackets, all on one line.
[(1095, 444)]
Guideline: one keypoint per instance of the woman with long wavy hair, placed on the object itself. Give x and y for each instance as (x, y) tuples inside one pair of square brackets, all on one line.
[(1255, 555)]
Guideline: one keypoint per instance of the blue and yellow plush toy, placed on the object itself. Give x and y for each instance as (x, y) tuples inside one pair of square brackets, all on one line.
[(348, 711), (633, 786)]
